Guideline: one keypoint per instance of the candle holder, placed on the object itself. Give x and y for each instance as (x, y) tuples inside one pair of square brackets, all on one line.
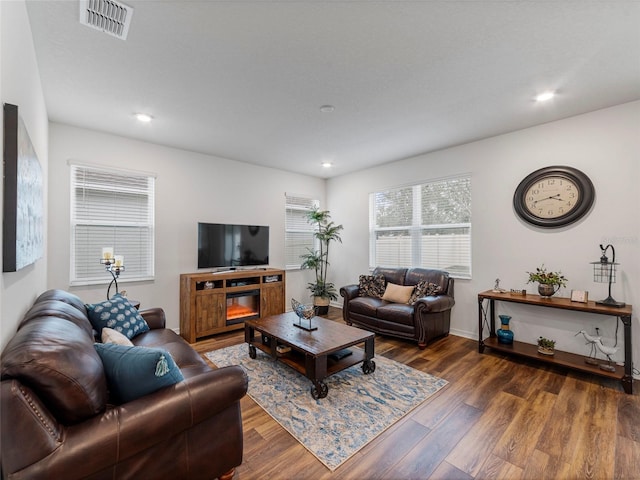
[(114, 265)]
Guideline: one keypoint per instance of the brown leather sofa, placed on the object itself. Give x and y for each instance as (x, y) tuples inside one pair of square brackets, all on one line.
[(58, 421), (427, 319)]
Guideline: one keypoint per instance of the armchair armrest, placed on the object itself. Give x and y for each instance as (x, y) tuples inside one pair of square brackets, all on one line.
[(349, 292), (434, 304), (154, 317)]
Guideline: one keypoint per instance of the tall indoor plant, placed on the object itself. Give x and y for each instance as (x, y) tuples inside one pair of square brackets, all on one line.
[(326, 231)]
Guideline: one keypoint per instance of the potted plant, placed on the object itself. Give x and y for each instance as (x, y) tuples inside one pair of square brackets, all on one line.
[(548, 282), (546, 346), (326, 232)]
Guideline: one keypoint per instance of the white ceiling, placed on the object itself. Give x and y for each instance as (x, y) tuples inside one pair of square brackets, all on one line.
[(245, 80)]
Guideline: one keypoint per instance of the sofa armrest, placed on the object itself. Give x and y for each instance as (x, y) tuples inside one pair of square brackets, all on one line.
[(154, 317), (349, 292), (434, 304), (124, 431)]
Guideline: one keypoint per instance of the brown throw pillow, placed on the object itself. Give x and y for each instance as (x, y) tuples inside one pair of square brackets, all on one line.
[(424, 289), (371, 286), (398, 293)]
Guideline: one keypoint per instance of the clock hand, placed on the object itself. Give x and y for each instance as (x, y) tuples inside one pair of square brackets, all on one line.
[(552, 197)]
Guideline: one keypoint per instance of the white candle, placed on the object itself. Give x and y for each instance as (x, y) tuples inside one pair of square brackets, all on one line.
[(119, 260), (107, 253)]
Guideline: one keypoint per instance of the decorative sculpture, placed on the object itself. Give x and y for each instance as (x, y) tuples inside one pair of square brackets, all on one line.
[(591, 359), (608, 351), (306, 312)]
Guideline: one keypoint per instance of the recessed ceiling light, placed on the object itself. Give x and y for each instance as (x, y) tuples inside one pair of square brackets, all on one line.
[(327, 164), (143, 117), (327, 108), (543, 97)]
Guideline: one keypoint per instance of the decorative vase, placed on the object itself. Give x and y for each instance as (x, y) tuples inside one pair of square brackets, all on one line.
[(505, 335), (546, 290)]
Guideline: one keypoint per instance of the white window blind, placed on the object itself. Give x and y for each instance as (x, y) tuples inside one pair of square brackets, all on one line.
[(111, 208), (426, 225), (299, 234)]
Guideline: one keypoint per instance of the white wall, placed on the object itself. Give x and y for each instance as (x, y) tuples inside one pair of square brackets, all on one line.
[(190, 187), (604, 144), (20, 85)]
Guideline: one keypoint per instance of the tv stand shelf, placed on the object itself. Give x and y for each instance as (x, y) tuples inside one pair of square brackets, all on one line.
[(563, 359), (216, 302)]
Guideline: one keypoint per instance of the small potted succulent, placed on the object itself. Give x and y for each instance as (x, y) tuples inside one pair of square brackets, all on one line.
[(548, 282), (546, 346)]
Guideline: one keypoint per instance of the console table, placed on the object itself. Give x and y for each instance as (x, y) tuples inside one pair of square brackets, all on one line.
[(564, 359)]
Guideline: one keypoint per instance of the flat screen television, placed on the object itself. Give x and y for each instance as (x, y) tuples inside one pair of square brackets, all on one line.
[(225, 245)]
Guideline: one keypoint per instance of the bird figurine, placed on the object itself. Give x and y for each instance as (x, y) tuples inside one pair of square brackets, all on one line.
[(591, 359), (306, 312), (608, 351)]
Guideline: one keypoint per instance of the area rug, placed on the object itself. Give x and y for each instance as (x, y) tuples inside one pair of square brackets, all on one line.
[(357, 409)]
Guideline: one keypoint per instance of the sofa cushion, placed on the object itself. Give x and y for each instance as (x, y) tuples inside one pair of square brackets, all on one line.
[(109, 335), (393, 275), (133, 372), (371, 286), (439, 277), (399, 313), (366, 305), (63, 296), (424, 289), (118, 314), (398, 293), (60, 309), (183, 354), (56, 359)]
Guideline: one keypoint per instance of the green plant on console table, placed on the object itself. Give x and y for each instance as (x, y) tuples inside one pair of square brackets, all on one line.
[(546, 343), (541, 275)]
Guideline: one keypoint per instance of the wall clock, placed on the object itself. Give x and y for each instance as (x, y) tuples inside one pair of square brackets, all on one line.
[(554, 196)]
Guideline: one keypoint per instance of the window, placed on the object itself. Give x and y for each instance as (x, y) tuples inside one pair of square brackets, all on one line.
[(426, 225), (299, 234), (111, 208)]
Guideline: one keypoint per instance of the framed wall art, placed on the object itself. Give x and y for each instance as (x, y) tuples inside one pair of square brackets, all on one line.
[(23, 222)]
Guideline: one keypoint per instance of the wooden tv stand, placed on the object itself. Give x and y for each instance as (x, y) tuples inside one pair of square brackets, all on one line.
[(563, 359), (216, 302)]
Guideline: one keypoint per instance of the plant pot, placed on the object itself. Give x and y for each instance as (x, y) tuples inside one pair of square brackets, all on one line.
[(546, 290), (322, 305), (546, 351)]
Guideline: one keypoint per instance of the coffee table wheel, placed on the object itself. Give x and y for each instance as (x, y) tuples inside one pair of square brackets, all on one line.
[(252, 351), (319, 390), (368, 366)]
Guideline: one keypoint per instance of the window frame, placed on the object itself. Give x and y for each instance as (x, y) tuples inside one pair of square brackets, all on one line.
[(96, 276), (303, 229), (416, 231)]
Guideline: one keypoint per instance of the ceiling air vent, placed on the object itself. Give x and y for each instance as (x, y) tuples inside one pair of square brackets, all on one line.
[(107, 16)]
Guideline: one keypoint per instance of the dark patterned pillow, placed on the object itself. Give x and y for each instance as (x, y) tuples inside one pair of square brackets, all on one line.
[(118, 314), (371, 286), (424, 289)]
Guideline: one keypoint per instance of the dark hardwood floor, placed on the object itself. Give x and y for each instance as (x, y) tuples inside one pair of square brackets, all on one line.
[(498, 418)]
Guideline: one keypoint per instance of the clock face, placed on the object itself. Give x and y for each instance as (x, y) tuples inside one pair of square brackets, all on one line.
[(553, 196)]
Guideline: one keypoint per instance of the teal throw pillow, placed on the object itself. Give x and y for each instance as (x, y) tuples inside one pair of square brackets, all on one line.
[(117, 314), (133, 372)]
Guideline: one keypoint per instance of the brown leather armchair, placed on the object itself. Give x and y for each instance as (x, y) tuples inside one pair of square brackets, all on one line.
[(424, 321), (58, 421)]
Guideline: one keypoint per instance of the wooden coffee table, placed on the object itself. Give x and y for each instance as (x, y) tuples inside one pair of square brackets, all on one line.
[(312, 352)]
